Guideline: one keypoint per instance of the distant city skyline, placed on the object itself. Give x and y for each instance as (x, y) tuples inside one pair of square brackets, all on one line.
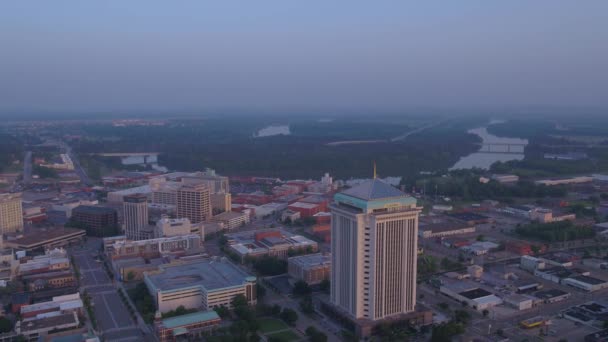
[(138, 56)]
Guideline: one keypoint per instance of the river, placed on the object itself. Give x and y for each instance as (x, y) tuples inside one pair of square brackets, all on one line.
[(488, 155), (273, 130)]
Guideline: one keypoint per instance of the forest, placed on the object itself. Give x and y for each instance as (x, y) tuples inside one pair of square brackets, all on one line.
[(229, 147)]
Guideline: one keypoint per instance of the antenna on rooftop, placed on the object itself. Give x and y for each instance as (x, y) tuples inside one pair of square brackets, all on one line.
[(375, 175)]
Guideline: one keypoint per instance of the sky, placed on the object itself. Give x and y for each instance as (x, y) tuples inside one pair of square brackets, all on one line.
[(287, 55)]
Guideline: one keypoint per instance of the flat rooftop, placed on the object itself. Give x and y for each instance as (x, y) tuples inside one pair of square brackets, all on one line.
[(475, 293), (311, 260), (589, 280), (468, 216), (49, 322), (210, 274), (41, 236), (89, 209), (228, 215), (188, 319), (551, 293)]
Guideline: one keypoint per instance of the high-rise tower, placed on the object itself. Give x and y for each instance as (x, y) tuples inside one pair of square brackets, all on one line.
[(374, 239), (193, 202), (135, 212), (11, 213)]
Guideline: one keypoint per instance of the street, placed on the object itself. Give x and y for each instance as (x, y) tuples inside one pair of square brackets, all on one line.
[(113, 319)]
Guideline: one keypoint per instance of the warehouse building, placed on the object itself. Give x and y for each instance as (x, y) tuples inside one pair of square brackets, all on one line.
[(586, 283)]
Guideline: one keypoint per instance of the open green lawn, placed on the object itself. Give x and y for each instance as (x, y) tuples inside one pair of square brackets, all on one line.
[(268, 325), (286, 336)]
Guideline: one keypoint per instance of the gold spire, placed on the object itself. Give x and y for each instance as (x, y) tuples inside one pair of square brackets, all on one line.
[(375, 175)]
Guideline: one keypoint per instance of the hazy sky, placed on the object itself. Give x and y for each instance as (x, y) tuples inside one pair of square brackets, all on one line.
[(131, 55)]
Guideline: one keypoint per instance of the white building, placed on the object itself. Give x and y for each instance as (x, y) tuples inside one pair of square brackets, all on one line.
[(374, 251), (231, 219), (531, 264), (200, 285), (586, 283), (168, 227), (135, 213)]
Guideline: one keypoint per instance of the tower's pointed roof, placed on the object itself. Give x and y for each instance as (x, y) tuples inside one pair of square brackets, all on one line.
[(373, 189)]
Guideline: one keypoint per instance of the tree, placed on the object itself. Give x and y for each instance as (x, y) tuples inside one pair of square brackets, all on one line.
[(325, 285), (289, 316), (307, 305), (254, 338), (5, 325), (301, 288), (130, 276), (446, 332), (462, 316), (222, 311), (315, 335), (261, 290), (239, 300), (485, 312), (481, 237)]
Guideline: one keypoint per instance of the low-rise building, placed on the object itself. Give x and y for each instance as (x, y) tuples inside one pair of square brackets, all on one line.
[(554, 274), (469, 293), (565, 181), (273, 242), (59, 305), (199, 285), (552, 295), (437, 227), (231, 219), (123, 248), (589, 284), (35, 329), (191, 326), (505, 178), (53, 260), (306, 209), (167, 227), (519, 302), (54, 279), (311, 268), (290, 215), (531, 264), (46, 239)]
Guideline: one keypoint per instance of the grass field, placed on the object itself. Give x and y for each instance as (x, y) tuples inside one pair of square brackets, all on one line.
[(269, 325), (286, 336)]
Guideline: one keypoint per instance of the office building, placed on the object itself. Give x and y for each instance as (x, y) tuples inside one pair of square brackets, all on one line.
[(231, 219), (311, 268), (221, 202), (97, 221), (135, 212), (199, 285), (216, 184), (374, 251), (167, 227), (11, 213), (193, 202), (273, 242), (120, 247)]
